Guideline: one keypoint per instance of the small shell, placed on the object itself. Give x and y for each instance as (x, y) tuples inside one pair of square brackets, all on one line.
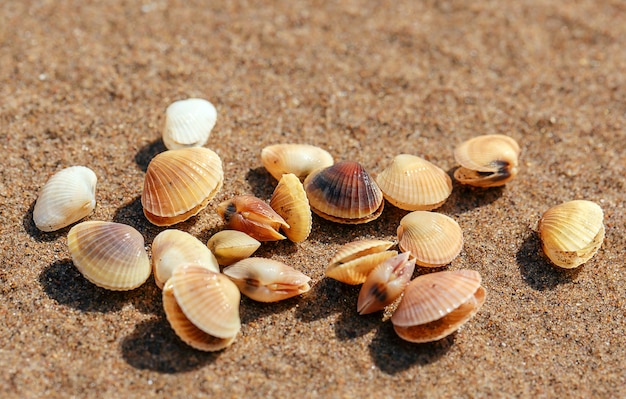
[(289, 201), (230, 246), (172, 248), (437, 304), (385, 283), (572, 232), (432, 238), (179, 184), (344, 193), (354, 261), (67, 197), (487, 161), (253, 216), (299, 159), (267, 280), (188, 123), (413, 183), (202, 307), (110, 255)]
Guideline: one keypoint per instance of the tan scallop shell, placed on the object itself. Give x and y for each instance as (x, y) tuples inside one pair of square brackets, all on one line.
[(354, 261), (230, 246), (299, 159), (289, 201), (68, 196), (432, 238), (172, 248), (412, 183), (267, 280), (437, 304), (110, 255), (572, 232), (188, 123), (344, 193), (253, 216), (180, 183), (487, 161), (202, 307)]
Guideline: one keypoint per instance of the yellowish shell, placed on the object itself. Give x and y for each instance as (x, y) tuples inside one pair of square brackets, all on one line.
[(230, 246), (432, 238), (572, 232), (437, 304), (253, 216), (354, 261), (487, 161), (299, 159), (289, 201), (180, 183), (110, 255), (412, 183)]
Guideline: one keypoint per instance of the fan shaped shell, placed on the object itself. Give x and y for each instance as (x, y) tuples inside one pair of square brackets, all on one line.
[(299, 159), (487, 161), (188, 123)]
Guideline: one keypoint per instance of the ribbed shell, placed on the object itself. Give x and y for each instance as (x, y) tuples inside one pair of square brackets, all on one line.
[(572, 232), (110, 255), (253, 216), (432, 238), (487, 161), (188, 123), (289, 201), (68, 196), (413, 183), (344, 193), (230, 246), (299, 159), (172, 248), (179, 184), (354, 261)]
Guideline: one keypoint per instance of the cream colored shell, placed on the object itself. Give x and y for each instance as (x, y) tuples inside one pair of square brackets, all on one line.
[(487, 161), (289, 201), (230, 246), (188, 123), (354, 261), (299, 159)]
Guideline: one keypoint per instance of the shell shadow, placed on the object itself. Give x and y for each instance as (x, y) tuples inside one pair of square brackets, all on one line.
[(153, 345), (41, 236), (465, 198), (147, 152), (326, 297), (251, 310), (261, 182), (351, 324), (536, 270)]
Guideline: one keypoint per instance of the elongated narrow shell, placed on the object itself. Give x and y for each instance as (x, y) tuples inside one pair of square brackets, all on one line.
[(230, 246), (572, 232), (188, 123), (487, 161), (385, 283), (354, 261), (179, 184), (253, 216), (110, 255), (289, 201), (412, 183), (344, 193), (202, 307), (267, 280), (172, 248), (432, 238), (67, 197), (437, 304), (299, 159)]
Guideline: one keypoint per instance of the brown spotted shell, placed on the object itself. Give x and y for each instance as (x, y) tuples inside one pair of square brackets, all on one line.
[(487, 161)]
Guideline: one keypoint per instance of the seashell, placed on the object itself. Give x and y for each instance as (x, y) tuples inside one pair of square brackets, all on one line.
[(230, 246), (68, 196), (202, 307), (385, 283), (188, 123), (572, 232), (267, 280), (354, 261), (299, 159), (172, 248), (432, 238), (437, 304), (344, 193), (110, 255), (412, 183), (179, 184), (289, 201), (487, 161), (253, 216)]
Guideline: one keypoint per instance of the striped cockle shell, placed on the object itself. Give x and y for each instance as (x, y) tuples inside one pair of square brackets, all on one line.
[(299, 159), (487, 161), (230, 246), (188, 123), (355, 260), (253, 216), (289, 201)]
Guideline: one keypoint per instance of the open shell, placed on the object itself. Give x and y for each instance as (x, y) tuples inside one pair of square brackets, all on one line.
[(230, 246), (437, 304), (299, 159), (68, 196), (487, 161), (412, 183), (572, 232), (253, 216), (289, 201), (188, 123), (180, 183), (354, 261), (110, 255), (432, 238)]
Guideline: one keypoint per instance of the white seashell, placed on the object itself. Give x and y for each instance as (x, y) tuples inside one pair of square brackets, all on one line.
[(188, 123), (67, 197)]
